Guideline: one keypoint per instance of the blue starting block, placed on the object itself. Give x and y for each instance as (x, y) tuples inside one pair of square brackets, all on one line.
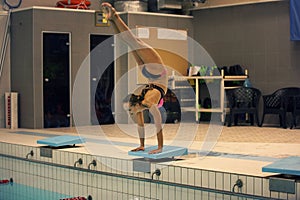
[(167, 152), (287, 166), (62, 140), (144, 164)]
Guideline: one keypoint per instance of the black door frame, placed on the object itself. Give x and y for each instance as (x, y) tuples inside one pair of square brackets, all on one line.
[(95, 80), (69, 115)]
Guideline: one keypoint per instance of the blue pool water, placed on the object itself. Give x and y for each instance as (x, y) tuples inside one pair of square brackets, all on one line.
[(17, 191)]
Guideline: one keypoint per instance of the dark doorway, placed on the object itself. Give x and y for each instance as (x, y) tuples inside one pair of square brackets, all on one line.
[(102, 78), (56, 82)]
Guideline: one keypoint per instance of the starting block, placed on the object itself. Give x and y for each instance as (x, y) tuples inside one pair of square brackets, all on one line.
[(287, 166), (63, 140), (167, 152), (144, 164), (288, 169)]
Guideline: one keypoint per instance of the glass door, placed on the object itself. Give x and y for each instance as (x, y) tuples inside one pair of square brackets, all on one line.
[(56, 79), (102, 78)]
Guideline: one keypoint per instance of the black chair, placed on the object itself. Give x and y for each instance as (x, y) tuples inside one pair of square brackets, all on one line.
[(295, 109), (241, 101), (279, 103)]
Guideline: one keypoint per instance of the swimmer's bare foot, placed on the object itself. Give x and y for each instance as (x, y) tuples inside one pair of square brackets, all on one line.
[(159, 150), (108, 10), (140, 148)]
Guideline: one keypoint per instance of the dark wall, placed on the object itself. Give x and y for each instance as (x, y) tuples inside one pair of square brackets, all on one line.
[(28, 26), (22, 62), (255, 36)]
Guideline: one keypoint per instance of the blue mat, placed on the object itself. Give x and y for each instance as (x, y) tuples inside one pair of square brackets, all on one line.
[(168, 152), (288, 166), (62, 140)]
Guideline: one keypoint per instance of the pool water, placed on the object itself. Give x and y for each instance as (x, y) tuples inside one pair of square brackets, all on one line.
[(16, 191)]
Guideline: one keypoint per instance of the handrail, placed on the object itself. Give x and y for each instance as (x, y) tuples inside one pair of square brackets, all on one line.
[(5, 42), (6, 33), (11, 6)]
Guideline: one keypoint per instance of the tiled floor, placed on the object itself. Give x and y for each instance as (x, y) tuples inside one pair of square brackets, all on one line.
[(236, 149)]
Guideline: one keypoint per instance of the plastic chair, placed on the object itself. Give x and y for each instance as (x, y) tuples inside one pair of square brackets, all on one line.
[(295, 110), (241, 101), (279, 103)]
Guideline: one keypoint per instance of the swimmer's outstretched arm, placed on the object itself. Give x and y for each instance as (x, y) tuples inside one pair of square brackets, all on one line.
[(157, 120), (143, 53), (141, 131)]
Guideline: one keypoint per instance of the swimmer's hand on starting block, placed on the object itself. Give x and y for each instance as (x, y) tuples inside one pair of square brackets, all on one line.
[(140, 148), (158, 150), (154, 151)]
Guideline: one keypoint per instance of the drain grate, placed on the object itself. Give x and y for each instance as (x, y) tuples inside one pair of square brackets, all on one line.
[(46, 152), (282, 185)]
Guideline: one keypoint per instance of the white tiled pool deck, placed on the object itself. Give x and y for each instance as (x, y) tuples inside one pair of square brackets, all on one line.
[(235, 153), (238, 149)]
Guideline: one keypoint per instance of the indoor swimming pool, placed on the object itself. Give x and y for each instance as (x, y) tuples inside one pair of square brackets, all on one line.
[(38, 177), (17, 191), (13, 191), (51, 173), (43, 181)]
